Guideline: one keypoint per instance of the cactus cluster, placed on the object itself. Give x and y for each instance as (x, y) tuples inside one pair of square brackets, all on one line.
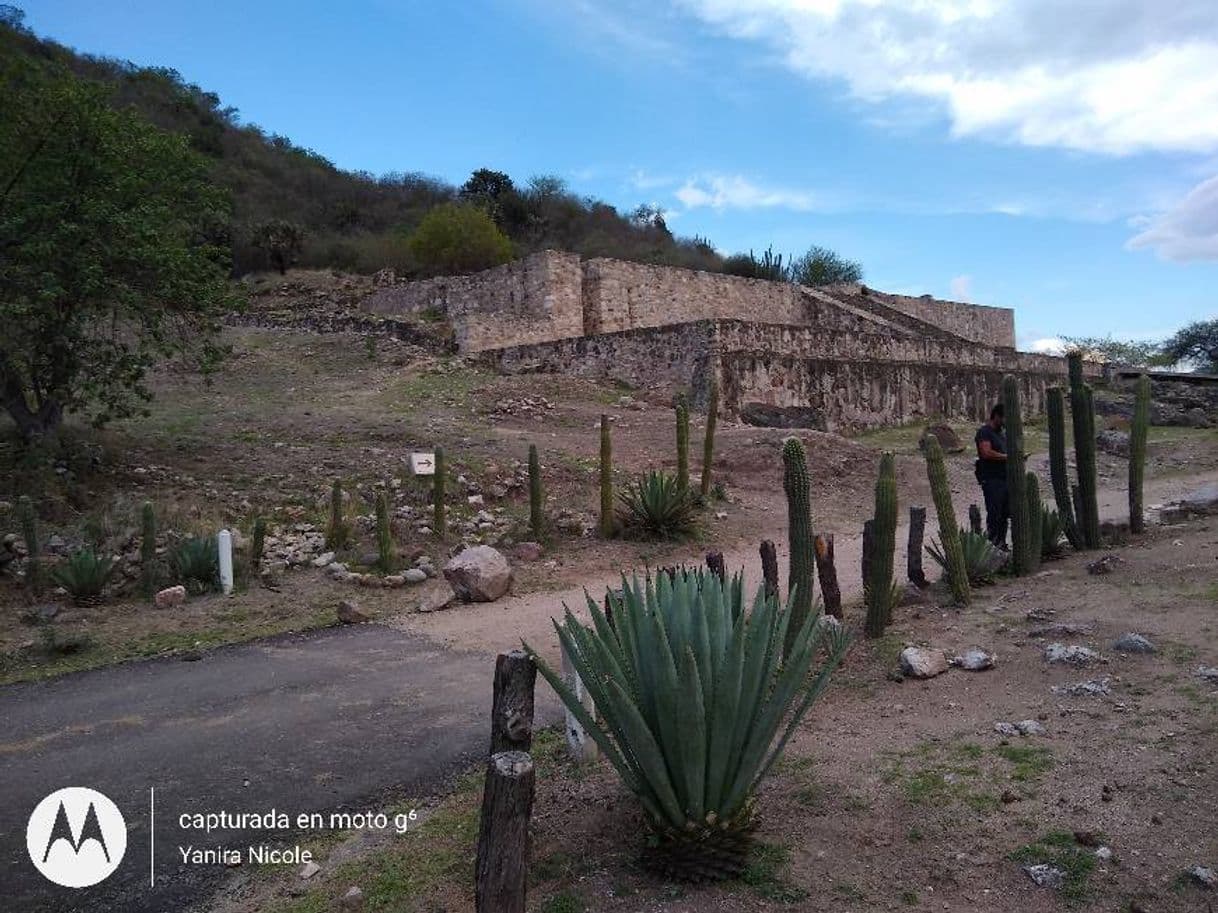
[(150, 576), (682, 443), (384, 536), (1138, 433), (537, 520), (1036, 511), (1017, 480), (1058, 474), (1083, 416), (708, 444), (439, 518), (949, 532), (802, 575), (258, 545), (29, 532), (337, 530), (607, 524), (878, 588)]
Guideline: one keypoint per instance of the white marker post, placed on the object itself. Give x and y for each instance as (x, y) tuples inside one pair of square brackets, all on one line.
[(224, 543)]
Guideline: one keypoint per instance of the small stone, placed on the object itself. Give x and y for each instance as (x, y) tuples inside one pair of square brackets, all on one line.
[(309, 869), (1031, 727), (918, 662), (395, 581), (1104, 565), (1209, 673), (352, 901), (975, 660), (1045, 875), (1204, 876), (1073, 654), (323, 559), (1090, 688), (1103, 853), (1009, 796), (349, 613), (1133, 643), (1006, 729), (475, 500), (415, 575), (1040, 614), (435, 596), (170, 597)]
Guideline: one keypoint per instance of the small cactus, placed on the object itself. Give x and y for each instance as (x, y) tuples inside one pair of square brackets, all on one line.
[(949, 532), (682, 444), (29, 532), (1138, 433), (708, 445), (149, 572), (384, 536), (1058, 474), (799, 534), (877, 590), (258, 545), (1017, 479), (1035, 522), (336, 528), (439, 519), (537, 520), (607, 525)]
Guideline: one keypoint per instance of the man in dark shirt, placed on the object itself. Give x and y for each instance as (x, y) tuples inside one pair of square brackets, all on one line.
[(992, 474)]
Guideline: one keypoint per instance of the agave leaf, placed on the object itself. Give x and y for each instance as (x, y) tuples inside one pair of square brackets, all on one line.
[(692, 725), (723, 715)]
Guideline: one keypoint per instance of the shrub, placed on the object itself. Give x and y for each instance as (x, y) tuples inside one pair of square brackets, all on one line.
[(1052, 532), (657, 507), (457, 238), (196, 564), (690, 698), (84, 576), (981, 559)]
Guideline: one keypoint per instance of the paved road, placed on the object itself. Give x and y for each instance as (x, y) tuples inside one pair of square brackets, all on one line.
[(342, 718)]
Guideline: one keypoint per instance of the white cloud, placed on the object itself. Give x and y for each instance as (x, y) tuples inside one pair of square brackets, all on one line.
[(962, 288), (1188, 230), (1116, 76), (719, 191), (1047, 345)]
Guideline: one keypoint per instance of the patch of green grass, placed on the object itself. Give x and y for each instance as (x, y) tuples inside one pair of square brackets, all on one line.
[(1028, 762), (1059, 848), (564, 902), (766, 877), (849, 891), (909, 898)]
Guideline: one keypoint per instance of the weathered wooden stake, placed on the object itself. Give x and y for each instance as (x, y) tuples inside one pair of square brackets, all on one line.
[(869, 544), (913, 558), (769, 568), (826, 570), (501, 872), (512, 707), (714, 561), (579, 743), (974, 520)]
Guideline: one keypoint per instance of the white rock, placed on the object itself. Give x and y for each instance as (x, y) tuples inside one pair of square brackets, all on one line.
[(479, 574), (1031, 727), (415, 575), (1133, 643), (309, 869), (1204, 876), (323, 559), (919, 662), (1073, 654), (1045, 875), (975, 660)]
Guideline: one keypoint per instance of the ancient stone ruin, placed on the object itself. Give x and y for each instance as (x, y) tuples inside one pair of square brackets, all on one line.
[(785, 355)]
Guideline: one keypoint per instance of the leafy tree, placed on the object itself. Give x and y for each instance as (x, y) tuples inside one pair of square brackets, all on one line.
[(458, 238), (1196, 343), (111, 250), (821, 266), (282, 241), (1118, 351)]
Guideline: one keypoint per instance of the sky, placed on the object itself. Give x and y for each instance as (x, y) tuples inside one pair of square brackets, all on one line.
[(1057, 158)]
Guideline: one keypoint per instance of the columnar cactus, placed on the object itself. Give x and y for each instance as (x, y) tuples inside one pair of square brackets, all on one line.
[(384, 536), (258, 545), (1138, 433), (1083, 416), (607, 526), (949, 532), (1017, 479), (439, 519), (537, 521), (708, 445), (799, 533), (1058, 473), (878, 589), (1035, 519), (29, 532), (336, 528), (148, 564), (682, 444)]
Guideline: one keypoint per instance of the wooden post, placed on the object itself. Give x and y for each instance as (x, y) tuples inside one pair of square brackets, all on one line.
[(913, 557), (974, 520), (868, 556), (769, 569), (512, 707), (579, 743), (826, 570), (502, 868), (714, 561)]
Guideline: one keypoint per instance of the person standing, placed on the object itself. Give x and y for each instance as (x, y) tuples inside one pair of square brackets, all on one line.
[(991, 471)]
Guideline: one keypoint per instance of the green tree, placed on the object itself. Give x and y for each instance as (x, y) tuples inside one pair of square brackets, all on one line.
[(1196, 343), (1117, 351), (282, 240), (458, 238), (821, 266), (111, 250)]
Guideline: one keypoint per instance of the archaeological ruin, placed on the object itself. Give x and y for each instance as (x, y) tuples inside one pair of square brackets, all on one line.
[(835, 358)]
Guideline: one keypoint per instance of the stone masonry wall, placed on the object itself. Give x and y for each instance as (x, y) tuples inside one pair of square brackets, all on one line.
[(988, 325)]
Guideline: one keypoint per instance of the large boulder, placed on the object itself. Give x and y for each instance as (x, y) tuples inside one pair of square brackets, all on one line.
[(919, 662), (479, 574), (947, 437)]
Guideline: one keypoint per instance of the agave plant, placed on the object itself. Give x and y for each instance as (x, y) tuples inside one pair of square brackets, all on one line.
[(196, 564), (657, 507), (691, 693), (84, 576), (1052, 534), (981, 559)]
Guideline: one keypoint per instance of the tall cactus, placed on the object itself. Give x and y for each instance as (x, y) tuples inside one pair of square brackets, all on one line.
[(1017, 480), (439, 507), (949, 531), (1058, 474), (29, 532), (1138, 433), (682, 444), (878, 589), (607, 527), (258, 545), (801, 578), (1035, 518), (708, 444), (537, 522), (1083, 416), (336, 528), (384, 536), (148, 564)]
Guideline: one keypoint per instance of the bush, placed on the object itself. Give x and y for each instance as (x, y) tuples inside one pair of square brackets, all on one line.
[(196, 564), (981, 559), (457, 238), (84, 576), (1052, 534), (657, 507)]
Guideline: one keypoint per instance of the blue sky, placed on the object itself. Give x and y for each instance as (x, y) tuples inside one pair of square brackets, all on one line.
[(974, 149)]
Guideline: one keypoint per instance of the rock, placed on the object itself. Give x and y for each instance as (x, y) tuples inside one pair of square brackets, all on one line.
[(764, 415), (435, 596), (323, 559), (271, 576), (1133, 643), (911, 595), (309, 869), (1073, 654), (1114, 442), (1006, 729), (1091, 688), (918, 662), (975, 660), (1103, 853), (349, 612), (43, 614), (1209, 673), (1031, 727), (947, 437), (479, 574), (527, 551), (1202, 500), (475, 500), (352, 901), (1045, 875), (1040, 614), (170, 597), (415, 575), (1104, 565), (1204, 876), (1060, 630), (395, 581)]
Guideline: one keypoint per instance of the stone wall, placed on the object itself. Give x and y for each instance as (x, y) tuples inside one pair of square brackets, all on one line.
[(991, 326)]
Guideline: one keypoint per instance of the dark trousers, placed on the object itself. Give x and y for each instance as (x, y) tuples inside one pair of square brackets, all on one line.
[(997, 509)]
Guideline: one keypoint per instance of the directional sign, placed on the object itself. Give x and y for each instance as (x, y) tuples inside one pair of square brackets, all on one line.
[(423, 464)]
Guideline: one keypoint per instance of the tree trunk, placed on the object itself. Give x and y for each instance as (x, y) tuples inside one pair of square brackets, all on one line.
[(33, 424), (512, 708), (913, 557), (826, 570), (714, 561), (769, 569), (502, 868)]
